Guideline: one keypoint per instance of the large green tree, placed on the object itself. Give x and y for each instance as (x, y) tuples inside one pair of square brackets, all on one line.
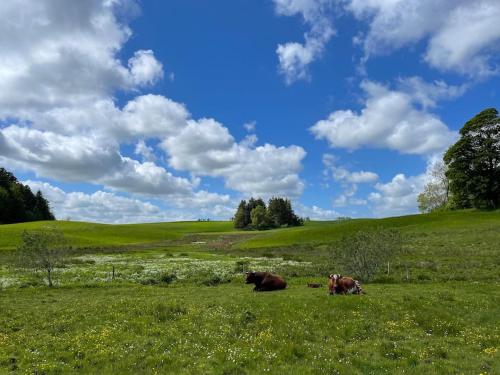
[(473, 163)]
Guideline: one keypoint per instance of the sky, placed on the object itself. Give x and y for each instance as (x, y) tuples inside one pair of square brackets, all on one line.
[(124, 111)]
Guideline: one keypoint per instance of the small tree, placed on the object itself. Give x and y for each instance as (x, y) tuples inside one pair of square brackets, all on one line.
[(435, 194), (43, 249), (364, 253)]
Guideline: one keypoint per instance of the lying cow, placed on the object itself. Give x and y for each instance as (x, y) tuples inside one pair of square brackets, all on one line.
[(338, 284), (265, 281)]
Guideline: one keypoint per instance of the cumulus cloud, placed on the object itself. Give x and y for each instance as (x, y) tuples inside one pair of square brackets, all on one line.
[(348, 181), (315, 212), (87, 159), (460, 35), (398, 196), (205, 147), (250, 126), (106, 207), (294, 58), (389, 119), (55, 55), (427, 94), (144, 68)]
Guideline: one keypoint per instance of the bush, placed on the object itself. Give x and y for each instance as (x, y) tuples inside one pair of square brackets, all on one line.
[(365, 253)]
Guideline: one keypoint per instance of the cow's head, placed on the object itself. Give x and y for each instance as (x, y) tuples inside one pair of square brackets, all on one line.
[(250, 277), (334, 276)]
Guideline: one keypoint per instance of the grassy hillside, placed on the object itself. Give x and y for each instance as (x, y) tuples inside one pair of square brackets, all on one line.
[(178, 303), (89, 234)]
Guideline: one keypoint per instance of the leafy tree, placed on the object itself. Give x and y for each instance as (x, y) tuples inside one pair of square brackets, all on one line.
[(252, 203), (240, 217), (365, 253), (281, 213), (259, 217), (473, 163), (435, 194), (43, 249), (277, 214)]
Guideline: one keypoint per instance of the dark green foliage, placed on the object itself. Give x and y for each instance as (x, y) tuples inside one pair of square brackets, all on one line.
[(240, 219), (18, 203), (281, 213), (474, 163), (254, 214)]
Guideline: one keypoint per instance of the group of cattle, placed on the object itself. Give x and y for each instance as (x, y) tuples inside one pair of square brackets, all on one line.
[(337, 284)]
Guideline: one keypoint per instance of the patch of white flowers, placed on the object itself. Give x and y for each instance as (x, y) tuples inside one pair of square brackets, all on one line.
[(93, 269)]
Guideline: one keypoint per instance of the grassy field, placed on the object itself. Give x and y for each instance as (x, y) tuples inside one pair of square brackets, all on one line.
[(178, 303)]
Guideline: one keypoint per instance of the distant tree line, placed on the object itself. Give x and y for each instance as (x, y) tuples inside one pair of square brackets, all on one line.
[(255, 215), (469, 176), (18, 203)]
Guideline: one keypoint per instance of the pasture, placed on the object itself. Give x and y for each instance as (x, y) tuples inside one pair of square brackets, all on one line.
[(177, 302)]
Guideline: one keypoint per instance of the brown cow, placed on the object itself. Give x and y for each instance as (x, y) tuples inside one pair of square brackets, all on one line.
[(338, 284), (265, 281)]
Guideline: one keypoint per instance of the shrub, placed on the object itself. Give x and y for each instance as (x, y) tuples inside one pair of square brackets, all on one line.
[(365, 253)]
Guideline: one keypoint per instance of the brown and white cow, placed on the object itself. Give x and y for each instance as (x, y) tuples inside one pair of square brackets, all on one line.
[(338, 284), (265, 281)]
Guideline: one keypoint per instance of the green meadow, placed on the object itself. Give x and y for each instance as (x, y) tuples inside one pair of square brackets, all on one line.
[(177, 303)]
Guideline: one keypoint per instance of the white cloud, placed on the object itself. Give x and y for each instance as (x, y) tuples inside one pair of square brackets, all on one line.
[(106, 207), (205, 147), (348, 180), (147, 152), (428, 94), (55, 55), (397, 197), (250, 126), (144, 68), (100, 206), (342, 174), (82, 158), (294, 58), (390, 120), (460, 35), (315, 212)]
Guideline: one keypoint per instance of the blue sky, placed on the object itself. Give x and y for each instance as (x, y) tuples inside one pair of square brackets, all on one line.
[(132, 111)]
